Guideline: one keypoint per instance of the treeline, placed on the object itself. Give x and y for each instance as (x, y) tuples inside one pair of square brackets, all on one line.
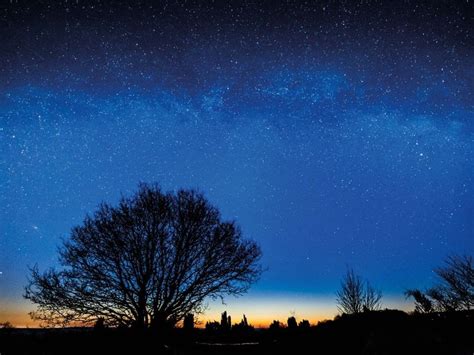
[(453, 291), (226, 326), (366, 333)]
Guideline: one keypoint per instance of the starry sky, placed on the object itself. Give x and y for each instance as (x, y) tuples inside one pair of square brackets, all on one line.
[(336, 133)]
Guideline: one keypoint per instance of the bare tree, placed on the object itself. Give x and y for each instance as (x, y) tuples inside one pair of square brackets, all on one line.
[(147, 262), (356, 295), (372, 298), (422, 303), (456, 284), (454, 290)]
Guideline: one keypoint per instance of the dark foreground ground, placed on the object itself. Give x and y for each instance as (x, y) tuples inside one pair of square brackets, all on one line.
[(383, 332)]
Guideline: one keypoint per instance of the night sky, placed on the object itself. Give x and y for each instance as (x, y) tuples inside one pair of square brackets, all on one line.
[(337, 134)]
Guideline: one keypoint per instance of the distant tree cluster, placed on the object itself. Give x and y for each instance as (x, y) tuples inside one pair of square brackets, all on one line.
[(356, 296), (226, 325), (454, 290), (275, 325), (243, 326), (148, 262), (291, 324)]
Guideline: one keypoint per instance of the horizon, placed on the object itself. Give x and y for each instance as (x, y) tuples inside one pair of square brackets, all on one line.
[(261, 315), (335, 135)]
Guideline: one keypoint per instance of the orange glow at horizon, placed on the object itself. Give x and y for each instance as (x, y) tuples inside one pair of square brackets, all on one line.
[(260, 310), (18, 317), (21, 319)]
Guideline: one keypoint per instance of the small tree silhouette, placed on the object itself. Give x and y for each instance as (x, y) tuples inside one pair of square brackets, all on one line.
[(188, 322), (213, 327), (304, 324), (244, 321), (356, 295), (276, 325), (292, 324), (226, 321), (145, 263), (243, 326)]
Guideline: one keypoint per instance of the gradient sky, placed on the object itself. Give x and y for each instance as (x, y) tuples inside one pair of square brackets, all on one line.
[(335, 133)]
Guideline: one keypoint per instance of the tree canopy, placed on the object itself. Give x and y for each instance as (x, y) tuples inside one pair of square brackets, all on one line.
[(147, 262)]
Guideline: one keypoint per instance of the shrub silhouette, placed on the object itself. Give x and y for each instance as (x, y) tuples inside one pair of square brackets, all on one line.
[(275, 326), (292, 323), (243, 326), (213, 326), (304, 324)]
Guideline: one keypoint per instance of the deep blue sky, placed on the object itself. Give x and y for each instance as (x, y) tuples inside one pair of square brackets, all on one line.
[(336, 133)]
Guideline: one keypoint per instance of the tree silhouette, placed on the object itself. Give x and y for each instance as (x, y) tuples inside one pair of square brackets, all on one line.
[(356, 295), (291, 322), (188, 322), (145, 263), (422, 303), (243, 326), (304, 324), (226, 321), (275, 325), (213, 327), (454, 290), (245, 321)]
